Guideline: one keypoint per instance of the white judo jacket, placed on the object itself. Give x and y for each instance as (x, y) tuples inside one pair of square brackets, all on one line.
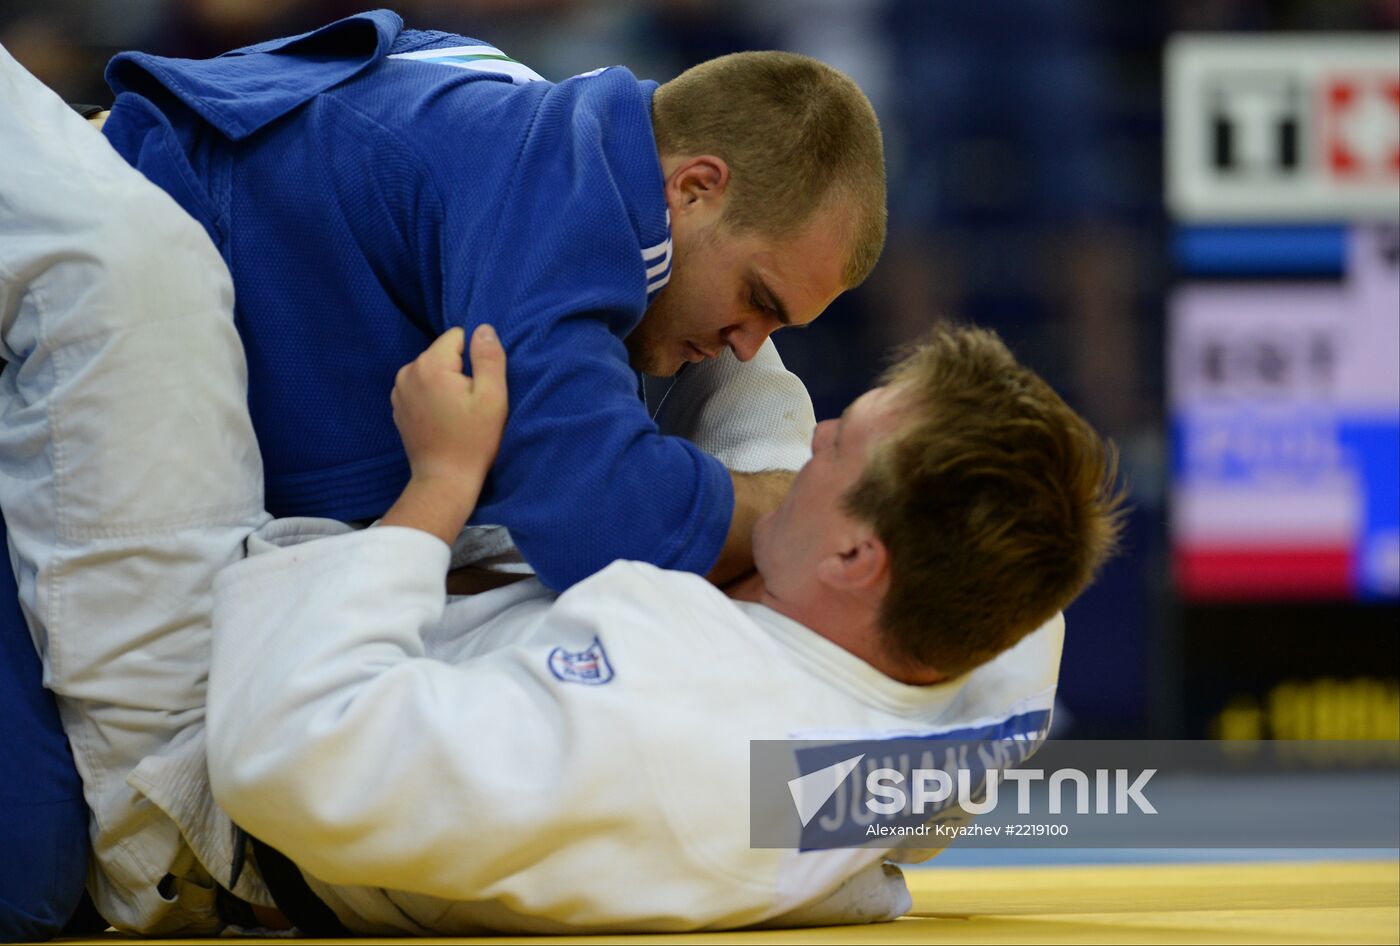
[(516, 762)]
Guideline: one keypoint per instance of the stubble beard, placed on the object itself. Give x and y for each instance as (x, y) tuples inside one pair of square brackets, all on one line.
[(643, 350)]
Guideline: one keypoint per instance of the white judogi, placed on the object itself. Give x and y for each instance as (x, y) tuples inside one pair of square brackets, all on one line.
[(129, 475), (517, 763)]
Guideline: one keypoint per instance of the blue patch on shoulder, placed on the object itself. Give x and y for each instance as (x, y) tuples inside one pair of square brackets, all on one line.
[(588, 666)]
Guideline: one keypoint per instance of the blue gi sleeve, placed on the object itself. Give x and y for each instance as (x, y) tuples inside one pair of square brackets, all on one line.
[(583, 476)]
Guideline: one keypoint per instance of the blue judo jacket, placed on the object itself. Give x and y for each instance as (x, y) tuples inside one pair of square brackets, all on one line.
[(371, 187)]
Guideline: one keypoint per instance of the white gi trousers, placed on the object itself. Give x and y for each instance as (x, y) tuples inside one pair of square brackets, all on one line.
[(129, 476)]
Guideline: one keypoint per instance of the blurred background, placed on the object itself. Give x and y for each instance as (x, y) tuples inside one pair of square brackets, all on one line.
[(1234, 332)]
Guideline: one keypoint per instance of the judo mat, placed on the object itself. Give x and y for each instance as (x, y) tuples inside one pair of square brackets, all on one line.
[(1303, 901)]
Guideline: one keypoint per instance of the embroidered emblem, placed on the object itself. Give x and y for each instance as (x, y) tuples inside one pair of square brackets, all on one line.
[(589, 666)]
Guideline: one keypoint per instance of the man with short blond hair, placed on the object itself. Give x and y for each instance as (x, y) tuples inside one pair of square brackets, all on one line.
[(820, 150), (794, 148), (371, 186)]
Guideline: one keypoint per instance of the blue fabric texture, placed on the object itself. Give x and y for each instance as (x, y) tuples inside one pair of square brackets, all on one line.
[(43, 819), (365, 204)]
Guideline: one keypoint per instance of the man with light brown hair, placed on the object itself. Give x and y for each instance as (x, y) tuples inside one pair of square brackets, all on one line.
[(974, 505), (580, 764)]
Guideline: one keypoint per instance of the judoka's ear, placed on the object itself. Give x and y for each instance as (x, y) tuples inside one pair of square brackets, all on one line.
[(695, 183), (863, 564)]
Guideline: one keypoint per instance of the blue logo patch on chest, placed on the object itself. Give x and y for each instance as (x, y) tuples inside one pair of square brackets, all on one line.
[(588, 666)]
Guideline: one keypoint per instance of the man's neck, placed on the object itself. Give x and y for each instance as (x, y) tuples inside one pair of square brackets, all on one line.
[(747, 587), (98, 120), (862, 643)]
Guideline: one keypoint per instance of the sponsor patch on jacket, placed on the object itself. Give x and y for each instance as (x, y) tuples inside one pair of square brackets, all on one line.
[(589, 666)]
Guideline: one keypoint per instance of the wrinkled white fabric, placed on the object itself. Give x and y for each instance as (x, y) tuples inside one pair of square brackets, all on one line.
[(129, 475), (514, 762), (751, 416)]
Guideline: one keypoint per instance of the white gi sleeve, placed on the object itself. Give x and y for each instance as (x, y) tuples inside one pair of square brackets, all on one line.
[(751, 416), (334, 739)]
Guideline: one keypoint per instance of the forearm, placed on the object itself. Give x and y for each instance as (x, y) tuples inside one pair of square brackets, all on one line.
[(437, 506), (754, 495)]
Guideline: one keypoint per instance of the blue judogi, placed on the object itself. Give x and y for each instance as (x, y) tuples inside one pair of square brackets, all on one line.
[(370, 187)]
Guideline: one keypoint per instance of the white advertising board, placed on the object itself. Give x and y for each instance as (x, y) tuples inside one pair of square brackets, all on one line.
[(1283, 128)]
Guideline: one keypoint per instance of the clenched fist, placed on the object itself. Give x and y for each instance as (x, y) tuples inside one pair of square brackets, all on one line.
[(450, 423)]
